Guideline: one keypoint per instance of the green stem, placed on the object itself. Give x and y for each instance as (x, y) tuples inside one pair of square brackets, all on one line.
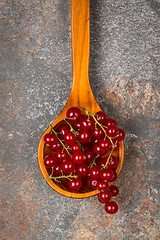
[(98, 124), (105, 166), (53, 131), (59, 177), (93, 162)]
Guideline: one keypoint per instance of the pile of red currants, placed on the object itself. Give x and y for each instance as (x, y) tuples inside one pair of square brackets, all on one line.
[(83, 153)]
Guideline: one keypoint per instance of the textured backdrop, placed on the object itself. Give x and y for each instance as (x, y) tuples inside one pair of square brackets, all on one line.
[(36, 76)]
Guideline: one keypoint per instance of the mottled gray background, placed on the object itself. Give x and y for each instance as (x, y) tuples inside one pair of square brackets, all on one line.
[(36, 76)]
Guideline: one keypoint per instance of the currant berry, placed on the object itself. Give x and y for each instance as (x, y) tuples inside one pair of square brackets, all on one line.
[(93, 183), (102, 185), (61, 155), (110, 122), (50, 161), (97, 149), (84, 136), (114, 190), (114, 176), (100, 117), (121, 135), (62, 130), (106, 175), (105, 144), (74, 184), (104, 196), (78, 157), (67, 166), (73, 114), (74, 148), (57, 170), (111, 207), (82, 169), (50, 139), (98, 133), (69, 138), (115, 145), (87, 123), (89, 156), (111, 131), (95, 172), (113, 162), (56, 146)]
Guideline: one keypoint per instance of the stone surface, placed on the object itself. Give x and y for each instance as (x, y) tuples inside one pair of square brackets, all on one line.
[(36, 76)]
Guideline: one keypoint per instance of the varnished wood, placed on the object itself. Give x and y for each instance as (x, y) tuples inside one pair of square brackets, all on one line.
[(81, 94)]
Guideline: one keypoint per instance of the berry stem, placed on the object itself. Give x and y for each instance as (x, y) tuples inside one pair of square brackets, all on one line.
[(105, 166), (93, 162), (59, 177), (97, 123), (53, 131)]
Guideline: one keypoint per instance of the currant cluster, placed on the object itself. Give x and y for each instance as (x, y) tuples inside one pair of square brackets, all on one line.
[(83, 153)]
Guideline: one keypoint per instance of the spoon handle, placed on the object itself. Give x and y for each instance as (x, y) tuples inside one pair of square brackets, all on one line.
[(80, 39)]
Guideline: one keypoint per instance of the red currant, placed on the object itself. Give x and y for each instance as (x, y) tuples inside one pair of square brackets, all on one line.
[(57, 170), (101, 117), (105, 196), (50, 161), (62, 130), (67, 166), (84, 136), (61, 154), (56, 146), (114, 190), (74, 184), (114, 176), (98, 133), (82, 169), (87, 123), (102, 185), (111, 207), (110, 122), (106, 174), (97, 149), (89, 156), (95, 172), (50, 139), (113, 162), (78, 157), (121, 135), (69, 138), (93, 183), (111, 131), (105, 144), (73, 114)]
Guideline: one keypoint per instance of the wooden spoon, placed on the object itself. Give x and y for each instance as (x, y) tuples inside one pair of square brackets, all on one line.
[(81, 94)]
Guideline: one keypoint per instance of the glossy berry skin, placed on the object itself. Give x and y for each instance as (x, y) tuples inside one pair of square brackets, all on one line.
[(62, 130), (105, 196), (67, 166), (82, 169), (75, 184), (93, 183), (57, 170), (50, 161), (106, 175), (84, 136), (74, 113), (111, 207), (114, 176), (74, 148), (121, 135), (50, 139), (77, 126), (95, 172), (78, 157), (102, 185), (105, 144), (61, 155), (56, 146), (113, 162), (89, 156), (101, 117), (110, 122), (115, 145), (111, 131), (87, 123), (114, 190), (98, 133), (69, 138), (97, 149)]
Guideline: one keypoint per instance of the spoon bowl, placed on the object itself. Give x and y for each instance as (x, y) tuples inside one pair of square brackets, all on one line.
[(81, 94)]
